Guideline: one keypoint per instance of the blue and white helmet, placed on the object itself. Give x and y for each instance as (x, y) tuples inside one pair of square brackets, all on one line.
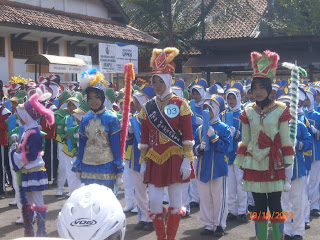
[(92, 212)]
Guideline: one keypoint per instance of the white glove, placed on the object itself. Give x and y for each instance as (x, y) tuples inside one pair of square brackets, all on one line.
[(119, 181), (313, 129), (203, 145), (210, 132), (143, 168), (185, 169), (199, 121), (287, 182), (232, 131), (130, 130)]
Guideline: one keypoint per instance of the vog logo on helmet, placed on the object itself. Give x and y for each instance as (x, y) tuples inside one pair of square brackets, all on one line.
[(83, 222)]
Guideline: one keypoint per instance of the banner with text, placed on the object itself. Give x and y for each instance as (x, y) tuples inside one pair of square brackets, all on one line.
[(113, 57)]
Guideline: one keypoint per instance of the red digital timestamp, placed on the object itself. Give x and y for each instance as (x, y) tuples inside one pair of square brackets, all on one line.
[(274, 215)]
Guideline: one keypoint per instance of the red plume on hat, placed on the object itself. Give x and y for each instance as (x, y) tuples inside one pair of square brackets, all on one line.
[(264, 65), (162, 60)]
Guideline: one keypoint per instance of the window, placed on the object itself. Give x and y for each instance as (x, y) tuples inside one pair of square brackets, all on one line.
[(53, 49), (78, 50), (24, 49), (2, 47)]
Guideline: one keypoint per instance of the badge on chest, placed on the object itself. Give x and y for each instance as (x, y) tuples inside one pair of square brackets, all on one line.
[(171, 110)]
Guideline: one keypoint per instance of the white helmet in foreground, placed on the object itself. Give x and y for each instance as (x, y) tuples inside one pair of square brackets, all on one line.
[(92, 213)]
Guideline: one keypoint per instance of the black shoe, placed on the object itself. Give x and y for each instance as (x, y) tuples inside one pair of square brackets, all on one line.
[(148, 227), (140, 225), (231, 217), (186, 215), (194, 204), (206, 232), (287, 237), (315, 213), (242, 218), (218, 232), (54, 183), (307, 225), (297, 237), (250, 208), (165, 202)]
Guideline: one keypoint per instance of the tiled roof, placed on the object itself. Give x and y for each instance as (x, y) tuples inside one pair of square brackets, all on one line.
[(30, 17), (226, 20)]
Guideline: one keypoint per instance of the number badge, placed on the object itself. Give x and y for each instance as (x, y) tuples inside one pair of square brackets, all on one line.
[(171, 110)]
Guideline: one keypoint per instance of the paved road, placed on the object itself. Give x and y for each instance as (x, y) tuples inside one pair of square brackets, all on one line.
[(190, 227)]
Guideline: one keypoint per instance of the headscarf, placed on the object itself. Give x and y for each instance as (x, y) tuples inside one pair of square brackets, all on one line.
[(108, 104), (266, 82), (167, 78), (100, 95), (302, 97), (177, 91), (28, 120), (311, 98), (215, 110), (238, 98), (55, 90), (202, 93), (142, 99)]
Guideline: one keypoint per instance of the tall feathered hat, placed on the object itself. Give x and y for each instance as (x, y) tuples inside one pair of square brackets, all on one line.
[(264, 65), (92, 78), (162, 60)]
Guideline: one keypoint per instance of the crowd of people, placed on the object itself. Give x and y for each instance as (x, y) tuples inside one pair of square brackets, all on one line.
[(240, 150)]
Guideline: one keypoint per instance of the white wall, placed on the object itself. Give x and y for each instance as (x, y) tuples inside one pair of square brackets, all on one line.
[(4, 70), (86, 7)]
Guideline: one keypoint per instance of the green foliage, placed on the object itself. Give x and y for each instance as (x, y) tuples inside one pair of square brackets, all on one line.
[(152, 17), (300, 17)]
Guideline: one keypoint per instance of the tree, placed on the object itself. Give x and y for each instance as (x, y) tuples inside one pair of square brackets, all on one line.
[(300, 17), (173, 22)]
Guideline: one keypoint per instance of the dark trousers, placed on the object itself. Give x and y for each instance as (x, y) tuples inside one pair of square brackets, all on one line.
[(50, 158), (264, 200), (4, 168)]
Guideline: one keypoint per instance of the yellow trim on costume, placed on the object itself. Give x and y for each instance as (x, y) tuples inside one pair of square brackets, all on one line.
[(115, 132), (127, 153), (185, 109), (199, 169), (188, 152), (300, 145), (162, 158), (143, 153), (31, 170), (98, 176), (143, 114), (132, 158), (297, 166), (215, 139), (308, 153), (65, 150)]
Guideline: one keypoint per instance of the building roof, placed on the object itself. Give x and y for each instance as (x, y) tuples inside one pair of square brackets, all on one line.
[(225, 20), (31, 17), (303, 58)]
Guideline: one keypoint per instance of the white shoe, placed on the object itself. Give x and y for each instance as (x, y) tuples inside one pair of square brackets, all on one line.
[(20, 220), (13, 203), (128, 208), (135, 210), (59, 193)]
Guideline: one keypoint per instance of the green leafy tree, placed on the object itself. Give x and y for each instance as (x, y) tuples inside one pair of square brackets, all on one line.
[(300, 17)]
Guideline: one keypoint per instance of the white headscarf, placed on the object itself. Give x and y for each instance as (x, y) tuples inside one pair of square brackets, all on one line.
[(178, 91), (107, 103), (311, 98), (55, 90), (302, 97), (28, 120), (238, 98), (215, 110), (202, 93), (167, 78), (142, 99)]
